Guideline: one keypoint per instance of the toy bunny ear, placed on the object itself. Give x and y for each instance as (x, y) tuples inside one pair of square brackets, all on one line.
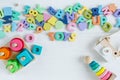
[(87, 59)]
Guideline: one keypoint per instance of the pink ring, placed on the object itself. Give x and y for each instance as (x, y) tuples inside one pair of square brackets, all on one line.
[(105, 72), (29, 38), (16, 44), (107, 76)]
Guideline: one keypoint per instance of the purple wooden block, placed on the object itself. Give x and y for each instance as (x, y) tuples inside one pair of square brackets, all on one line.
[(70, 17), (66, 36), (26, 24), (82, 26), (117, 13)]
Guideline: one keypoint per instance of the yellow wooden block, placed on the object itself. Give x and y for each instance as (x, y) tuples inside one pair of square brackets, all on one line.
[(31, 20), (47, 26), (7, 28), (72, 37), (52, 20), (82, 10), (33, 12)]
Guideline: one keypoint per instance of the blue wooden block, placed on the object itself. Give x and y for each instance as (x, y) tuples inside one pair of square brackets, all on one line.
[(60, 13), (7, 19), (95, 11), (100, 10), (7, 11), (64, 20), (36, 49), (51, 10), (24, 57), (68, 18), (40, 23), (14, 26)]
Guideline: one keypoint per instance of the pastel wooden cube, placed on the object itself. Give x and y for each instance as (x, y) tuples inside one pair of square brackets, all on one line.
[(36, 49), (24, 57)]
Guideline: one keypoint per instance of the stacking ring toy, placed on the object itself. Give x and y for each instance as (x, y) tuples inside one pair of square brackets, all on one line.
[(29, 38), (16, 44)]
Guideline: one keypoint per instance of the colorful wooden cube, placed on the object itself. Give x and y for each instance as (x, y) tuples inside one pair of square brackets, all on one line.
[(24, 57), (36, 49)]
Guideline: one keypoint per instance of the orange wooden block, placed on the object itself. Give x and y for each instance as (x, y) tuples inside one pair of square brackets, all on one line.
[(5, 53), (39, 29), (51, 35), (112, 7), (96, 20)]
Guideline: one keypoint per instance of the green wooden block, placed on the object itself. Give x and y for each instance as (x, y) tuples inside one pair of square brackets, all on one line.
[(107, 27), (39, 9), (69, 9), (90, 25), (59, 25), (39, 17), (13, 66), (87, 14)]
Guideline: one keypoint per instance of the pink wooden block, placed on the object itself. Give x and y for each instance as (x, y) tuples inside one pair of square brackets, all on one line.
[(71, 27), (46, 16), (106, 11)]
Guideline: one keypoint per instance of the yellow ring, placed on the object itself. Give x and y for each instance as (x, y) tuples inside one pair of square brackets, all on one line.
[(100, 71)]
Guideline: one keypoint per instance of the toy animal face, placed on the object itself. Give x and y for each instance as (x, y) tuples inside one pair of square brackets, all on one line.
[(106, 50)]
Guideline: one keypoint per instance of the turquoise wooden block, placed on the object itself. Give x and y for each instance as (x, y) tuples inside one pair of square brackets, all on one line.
[(77, 6), (15, 15), (26, 9), (1, 23), (81, 19), (36, 49), (2, 34), (32, 27), (103, 20), (24, 57), (59, 36)]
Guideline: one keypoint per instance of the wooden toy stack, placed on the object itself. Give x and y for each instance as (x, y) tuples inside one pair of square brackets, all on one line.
[(101, 72)]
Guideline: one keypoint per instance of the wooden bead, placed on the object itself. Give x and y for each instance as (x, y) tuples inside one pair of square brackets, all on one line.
[(88, 59)]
